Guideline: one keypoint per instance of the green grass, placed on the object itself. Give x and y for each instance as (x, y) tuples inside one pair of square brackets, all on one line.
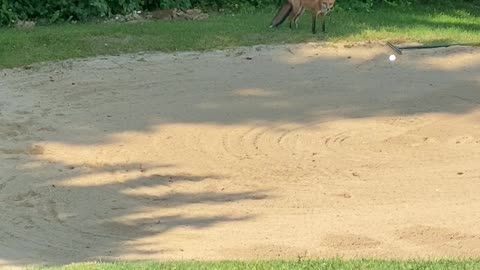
[(20, 47), (317, 265)]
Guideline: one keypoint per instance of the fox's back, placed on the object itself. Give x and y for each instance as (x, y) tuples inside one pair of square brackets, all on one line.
[(321, 5), (311, 4)]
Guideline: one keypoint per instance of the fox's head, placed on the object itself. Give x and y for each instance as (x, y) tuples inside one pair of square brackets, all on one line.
[(326, 6)]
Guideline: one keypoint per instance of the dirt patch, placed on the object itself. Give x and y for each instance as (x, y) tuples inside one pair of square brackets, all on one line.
[(305, 151)]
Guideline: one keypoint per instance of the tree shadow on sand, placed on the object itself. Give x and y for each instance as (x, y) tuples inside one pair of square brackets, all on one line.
[(88, 222)]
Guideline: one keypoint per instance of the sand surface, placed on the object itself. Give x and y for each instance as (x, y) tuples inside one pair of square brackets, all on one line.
[(292, 151)]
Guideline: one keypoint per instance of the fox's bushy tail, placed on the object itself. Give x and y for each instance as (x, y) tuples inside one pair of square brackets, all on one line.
[(281, 15)]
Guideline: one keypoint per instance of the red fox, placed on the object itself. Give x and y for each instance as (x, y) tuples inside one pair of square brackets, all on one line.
[(295, 8)]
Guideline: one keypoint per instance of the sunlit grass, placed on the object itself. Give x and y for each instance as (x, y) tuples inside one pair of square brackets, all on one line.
[(277, 265), (59, 42)]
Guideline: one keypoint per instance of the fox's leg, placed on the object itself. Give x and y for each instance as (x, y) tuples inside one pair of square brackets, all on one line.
[(314, 21), (302, 10), (323, 22), (296, 10), (291, 17)]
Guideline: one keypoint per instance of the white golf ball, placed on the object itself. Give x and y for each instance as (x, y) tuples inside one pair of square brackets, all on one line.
[(392, 57)]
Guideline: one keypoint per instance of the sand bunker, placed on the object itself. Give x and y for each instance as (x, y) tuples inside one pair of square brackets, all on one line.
[(311, 151)]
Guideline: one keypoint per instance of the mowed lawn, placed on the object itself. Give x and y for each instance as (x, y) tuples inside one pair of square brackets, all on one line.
[(301, 265), (20, 47)]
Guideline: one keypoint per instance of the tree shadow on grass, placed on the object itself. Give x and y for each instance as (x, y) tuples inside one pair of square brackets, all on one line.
[(342, 24)]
